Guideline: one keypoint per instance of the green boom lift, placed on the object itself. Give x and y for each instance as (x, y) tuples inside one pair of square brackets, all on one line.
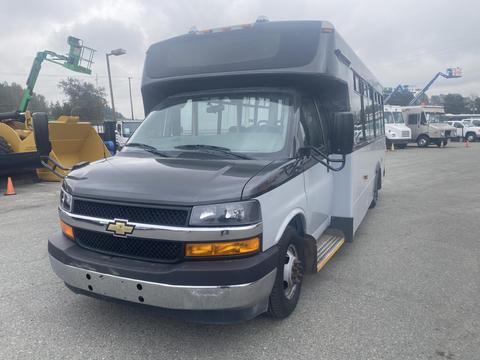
[(79, 59)]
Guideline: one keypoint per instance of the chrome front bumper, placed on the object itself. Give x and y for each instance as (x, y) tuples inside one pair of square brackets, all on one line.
[(178, 297)]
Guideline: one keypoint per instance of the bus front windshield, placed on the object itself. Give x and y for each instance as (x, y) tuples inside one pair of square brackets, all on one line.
[(393, 117), (253, 124), (435, 117)]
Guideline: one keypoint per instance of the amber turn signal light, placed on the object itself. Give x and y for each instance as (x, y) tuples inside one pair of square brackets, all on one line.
[(67, 230), (240, 247)]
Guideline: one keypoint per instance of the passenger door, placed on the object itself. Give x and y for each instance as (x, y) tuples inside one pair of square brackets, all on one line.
[(413, 122), (318, 179), (459, 128)]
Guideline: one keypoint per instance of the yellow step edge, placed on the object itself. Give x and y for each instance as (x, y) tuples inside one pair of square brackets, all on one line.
[(324, 261)]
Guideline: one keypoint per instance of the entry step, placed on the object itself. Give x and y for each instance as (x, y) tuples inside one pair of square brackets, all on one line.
[(328, 245)]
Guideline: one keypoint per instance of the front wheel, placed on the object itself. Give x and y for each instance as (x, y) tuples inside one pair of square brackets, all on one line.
[(471, 137), (290, 270), (5, 147), (423, 141)]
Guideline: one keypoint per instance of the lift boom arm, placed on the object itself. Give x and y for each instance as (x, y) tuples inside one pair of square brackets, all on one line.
[(451, 74), (79, 59)]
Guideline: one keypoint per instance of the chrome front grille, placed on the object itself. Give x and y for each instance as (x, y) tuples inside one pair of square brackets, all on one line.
[(132, 213)]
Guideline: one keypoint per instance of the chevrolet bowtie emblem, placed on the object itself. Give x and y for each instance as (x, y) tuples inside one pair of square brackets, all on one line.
[(120, 228)]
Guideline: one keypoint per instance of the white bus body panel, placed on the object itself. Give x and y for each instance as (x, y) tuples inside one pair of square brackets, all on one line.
[(318, 194)]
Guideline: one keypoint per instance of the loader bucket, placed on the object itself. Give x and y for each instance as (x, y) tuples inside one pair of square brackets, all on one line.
[(72, 142)]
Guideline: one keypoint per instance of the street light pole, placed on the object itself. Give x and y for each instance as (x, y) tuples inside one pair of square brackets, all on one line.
[(110, 84), (131, 102), (116, 52)]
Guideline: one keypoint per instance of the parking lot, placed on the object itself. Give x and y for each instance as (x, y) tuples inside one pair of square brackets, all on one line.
[(408, 287)]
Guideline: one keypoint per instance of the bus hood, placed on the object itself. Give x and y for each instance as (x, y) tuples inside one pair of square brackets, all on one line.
[(146, 179)]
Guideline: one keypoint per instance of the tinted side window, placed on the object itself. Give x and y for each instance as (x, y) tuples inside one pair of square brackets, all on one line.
[(311, 124), (412, 119)]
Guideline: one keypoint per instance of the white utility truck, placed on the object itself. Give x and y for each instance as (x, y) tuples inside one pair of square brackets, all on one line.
[(396, 132), (428, 125)]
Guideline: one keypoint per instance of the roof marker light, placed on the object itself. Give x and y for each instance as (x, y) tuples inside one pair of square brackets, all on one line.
[(262, 19)]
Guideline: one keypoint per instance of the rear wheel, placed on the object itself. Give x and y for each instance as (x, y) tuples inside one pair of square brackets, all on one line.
[(423, 141), (290, 270), (5, 147), (471, 137), (445, 142), (376, 187)]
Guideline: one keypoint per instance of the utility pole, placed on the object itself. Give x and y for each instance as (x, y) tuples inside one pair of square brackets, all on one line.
[(131, 102), (116, 52), (111, 90)]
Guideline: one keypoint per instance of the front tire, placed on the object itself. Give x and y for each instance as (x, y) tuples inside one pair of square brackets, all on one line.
[(5, 147), (471, 137), (423, 141), (290, 270)]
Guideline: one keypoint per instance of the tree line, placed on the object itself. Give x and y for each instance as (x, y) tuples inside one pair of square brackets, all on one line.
[(83, 99), (453, 103)]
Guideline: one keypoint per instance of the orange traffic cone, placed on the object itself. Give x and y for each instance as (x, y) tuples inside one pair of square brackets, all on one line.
[(10, 188), (467, 143)]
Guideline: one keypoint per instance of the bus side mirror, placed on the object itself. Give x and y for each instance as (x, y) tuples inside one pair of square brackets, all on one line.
[(40, 134), (342, 133)]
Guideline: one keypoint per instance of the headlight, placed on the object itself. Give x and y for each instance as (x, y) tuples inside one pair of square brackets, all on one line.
[(66, 200), (237, 213)]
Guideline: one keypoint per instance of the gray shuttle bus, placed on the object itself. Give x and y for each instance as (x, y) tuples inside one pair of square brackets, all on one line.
[(262, 150)]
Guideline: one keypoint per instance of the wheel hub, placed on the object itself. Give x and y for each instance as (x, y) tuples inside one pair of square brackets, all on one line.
[(292, 272)]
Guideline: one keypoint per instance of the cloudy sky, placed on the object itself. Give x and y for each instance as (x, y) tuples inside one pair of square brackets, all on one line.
[(401, 41)]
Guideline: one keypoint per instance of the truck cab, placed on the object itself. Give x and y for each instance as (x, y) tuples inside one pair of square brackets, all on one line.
[(428, 125), (124, 129), (258, 159), (466, 129), (396, 132)]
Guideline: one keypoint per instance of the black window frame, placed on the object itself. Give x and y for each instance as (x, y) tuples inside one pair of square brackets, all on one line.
[(320, 119)]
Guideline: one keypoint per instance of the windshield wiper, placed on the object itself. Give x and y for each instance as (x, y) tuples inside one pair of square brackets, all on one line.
[(149, 148), (212, 148)]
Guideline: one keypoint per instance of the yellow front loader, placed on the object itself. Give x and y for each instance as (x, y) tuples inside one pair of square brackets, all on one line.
[(71, 142)]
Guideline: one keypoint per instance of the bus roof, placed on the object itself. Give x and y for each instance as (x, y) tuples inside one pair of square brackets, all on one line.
[(284, 48)]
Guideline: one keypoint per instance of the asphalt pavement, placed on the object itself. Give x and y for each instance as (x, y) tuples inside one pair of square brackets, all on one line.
[(408, 287)]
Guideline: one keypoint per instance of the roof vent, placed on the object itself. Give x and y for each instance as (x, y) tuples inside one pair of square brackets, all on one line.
[(262, 19)]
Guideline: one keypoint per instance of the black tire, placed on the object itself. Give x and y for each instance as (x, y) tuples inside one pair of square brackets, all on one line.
[(376, 187), (282, 302), (423, 141), (5, 147), (438, 143), (445, 143), (471, 137)]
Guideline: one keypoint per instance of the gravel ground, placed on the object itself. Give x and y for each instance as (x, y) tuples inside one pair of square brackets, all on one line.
[(408, 287)]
